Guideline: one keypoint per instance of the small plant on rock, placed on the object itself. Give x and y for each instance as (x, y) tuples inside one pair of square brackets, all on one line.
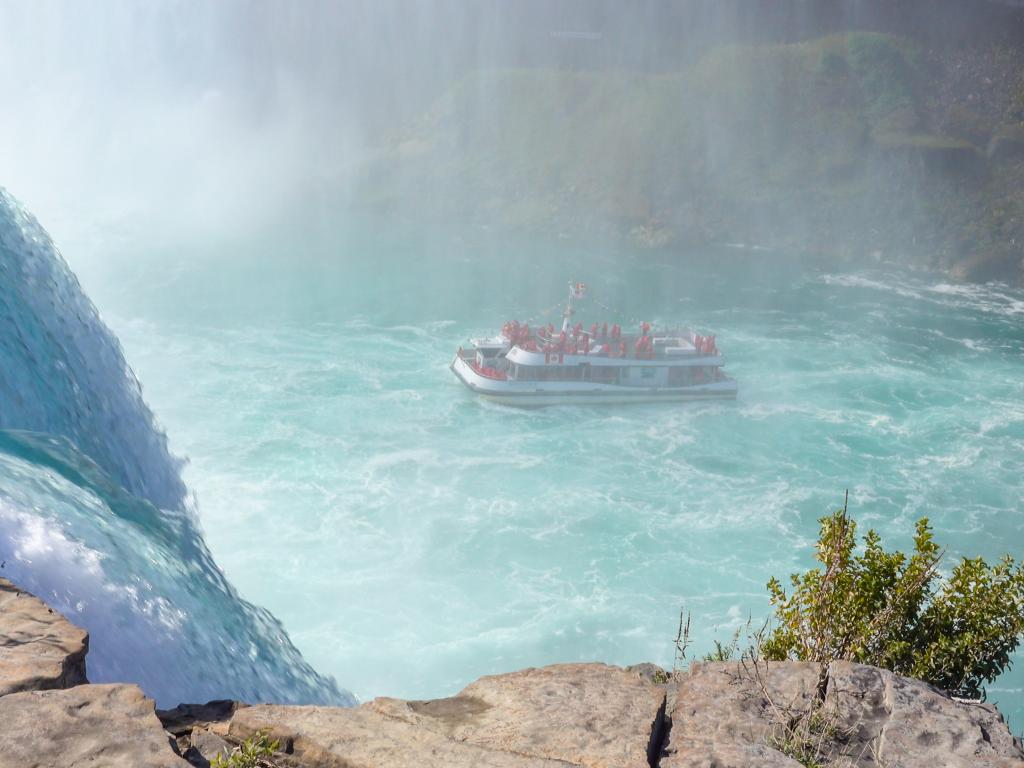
[(725, 651), (249, 754)]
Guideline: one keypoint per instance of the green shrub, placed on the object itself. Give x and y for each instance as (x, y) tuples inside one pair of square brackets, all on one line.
[(893, 611), (248, 754)]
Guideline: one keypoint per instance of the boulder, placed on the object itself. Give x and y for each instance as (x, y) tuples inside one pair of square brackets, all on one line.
[(733, 715), (591, 715), (39, 648), (332, 737), (108, 726)]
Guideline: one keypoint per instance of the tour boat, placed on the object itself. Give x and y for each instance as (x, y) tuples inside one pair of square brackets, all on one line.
[(539, 366)]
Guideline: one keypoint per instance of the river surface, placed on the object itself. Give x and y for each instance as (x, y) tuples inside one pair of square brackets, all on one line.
[(411, 538)]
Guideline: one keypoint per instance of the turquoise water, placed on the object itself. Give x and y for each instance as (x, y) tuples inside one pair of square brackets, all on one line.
[(411, 538), (94, 516)]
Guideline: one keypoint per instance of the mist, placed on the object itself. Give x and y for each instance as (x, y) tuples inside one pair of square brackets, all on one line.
[(206, 121), (291, 215)]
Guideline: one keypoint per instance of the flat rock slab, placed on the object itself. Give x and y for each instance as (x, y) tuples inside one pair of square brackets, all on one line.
[(582, 715), (99, 726), (591, 715), (731, 715), (39, 648), (334, 737)]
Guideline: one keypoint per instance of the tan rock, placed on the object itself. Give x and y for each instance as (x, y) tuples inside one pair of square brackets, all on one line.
[(724, 712), (699, 753), (333, 737), (204, 746), (39, 648), (730, 715), (99, 726), (584, 715), (906, 723), (591, 715)]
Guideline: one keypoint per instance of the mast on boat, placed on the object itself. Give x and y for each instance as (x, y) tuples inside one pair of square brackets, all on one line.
[(576, 291)]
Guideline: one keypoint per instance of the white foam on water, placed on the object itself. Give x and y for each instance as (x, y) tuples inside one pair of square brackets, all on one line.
[(94, 516), (418, 542), (994, 298)]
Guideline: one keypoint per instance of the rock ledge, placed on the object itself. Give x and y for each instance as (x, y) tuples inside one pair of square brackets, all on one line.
[(724, 715), (39, 648)]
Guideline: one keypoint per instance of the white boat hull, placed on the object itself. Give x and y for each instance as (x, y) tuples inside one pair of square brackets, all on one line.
[(535, 394)]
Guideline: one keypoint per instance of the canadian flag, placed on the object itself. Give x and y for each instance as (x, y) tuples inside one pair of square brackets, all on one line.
[(579, 290)]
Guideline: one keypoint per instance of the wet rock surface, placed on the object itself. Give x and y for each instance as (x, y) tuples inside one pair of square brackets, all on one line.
[(39, 648)]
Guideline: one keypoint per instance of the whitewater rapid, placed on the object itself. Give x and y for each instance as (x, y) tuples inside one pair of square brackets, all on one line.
[(94, 515), (411, 538), (422, 538)]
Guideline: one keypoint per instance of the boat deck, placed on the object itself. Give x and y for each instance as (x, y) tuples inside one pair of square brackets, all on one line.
[(542, 366)]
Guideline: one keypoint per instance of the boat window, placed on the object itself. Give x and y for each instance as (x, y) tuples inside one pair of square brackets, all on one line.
[(559, 373), (647, 373)]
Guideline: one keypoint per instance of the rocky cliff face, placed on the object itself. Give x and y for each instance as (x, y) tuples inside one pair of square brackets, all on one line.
[(723, 715), (856, 145)]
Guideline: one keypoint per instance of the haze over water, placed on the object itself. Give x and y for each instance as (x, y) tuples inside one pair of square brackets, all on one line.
[(199, 165), (412, 538)]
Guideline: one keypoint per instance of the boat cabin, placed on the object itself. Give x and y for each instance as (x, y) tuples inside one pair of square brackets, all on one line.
[(542, 365)]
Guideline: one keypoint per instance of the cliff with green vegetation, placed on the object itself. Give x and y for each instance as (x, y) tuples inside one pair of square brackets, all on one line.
[(859, 145)]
